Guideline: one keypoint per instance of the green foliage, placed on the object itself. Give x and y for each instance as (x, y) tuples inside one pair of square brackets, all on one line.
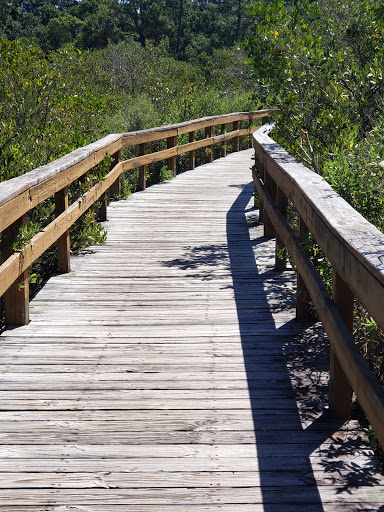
[(322, 63), (41, 115), (371, 437), (134, 114), (25, 235), (166, 174), (356, 174), (86, 232), (61, 30), (193, 29)]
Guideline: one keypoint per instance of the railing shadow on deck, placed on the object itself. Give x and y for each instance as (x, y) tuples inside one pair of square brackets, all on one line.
[(285, 467), (313, 418)]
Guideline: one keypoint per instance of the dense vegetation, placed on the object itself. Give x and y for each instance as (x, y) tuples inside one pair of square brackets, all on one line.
[(192, 28), (322, 62), (72, 71)]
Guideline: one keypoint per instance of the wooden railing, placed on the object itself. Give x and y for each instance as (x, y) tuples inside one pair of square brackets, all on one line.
[(354, 247), (19, 195)]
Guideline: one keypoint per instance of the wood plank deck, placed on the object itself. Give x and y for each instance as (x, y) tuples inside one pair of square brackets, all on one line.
[(166, 372)]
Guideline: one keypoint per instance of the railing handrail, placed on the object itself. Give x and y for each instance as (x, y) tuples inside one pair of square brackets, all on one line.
[(343, 233), (353, 246), (359, 268), (111, 144), (19, 195)]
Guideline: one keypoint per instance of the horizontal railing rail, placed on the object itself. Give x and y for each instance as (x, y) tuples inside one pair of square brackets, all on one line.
[(355, 249), (19, 195)]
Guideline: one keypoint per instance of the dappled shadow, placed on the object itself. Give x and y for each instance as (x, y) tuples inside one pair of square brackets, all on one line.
[(348, 475), (307, 360), (196, 257), (308, 364)]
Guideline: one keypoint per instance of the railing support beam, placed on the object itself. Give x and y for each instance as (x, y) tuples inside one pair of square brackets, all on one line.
[(223, 150), (209, 133), (250, 135), (270, 185), (302, 295), (191, 154), (115, 189), (171, 162), (63, 243), (282, 204), (235, 140), (260, 175), (340, 391), (16, 298), (142, 168)]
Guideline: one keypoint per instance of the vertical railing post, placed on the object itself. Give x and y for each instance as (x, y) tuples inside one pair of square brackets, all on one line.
[(88, 176), (270, 185), (16, 298), (260, 172), (235, 140), (102, 211), (302, 295), (115, 189), (250, 135), (208, 134), (223, 151), (191, 154), (142, 168), (63, 243), (340, 391), (282, 204), (171, 162)]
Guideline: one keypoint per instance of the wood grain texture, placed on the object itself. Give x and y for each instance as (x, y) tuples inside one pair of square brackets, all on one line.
[(63, 243), (166, 372), (19, 195), (16, 297), (340, 389)]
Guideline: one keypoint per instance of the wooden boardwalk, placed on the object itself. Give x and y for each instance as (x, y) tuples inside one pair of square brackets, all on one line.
[(166, 372)]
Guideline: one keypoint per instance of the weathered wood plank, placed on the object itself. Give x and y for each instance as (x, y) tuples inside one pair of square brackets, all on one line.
[(362, 463), (163, 480), (63, 242), (16, 297), (186, 496), (207, 507)]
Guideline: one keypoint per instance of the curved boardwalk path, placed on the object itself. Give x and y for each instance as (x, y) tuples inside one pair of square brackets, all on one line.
[(166, 372)]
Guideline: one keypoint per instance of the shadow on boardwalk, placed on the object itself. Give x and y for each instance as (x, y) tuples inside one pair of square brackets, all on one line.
[(301, 449), (299, 372)]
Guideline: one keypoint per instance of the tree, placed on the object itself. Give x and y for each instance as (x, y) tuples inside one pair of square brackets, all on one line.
[(61, 30), (146, 19)]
